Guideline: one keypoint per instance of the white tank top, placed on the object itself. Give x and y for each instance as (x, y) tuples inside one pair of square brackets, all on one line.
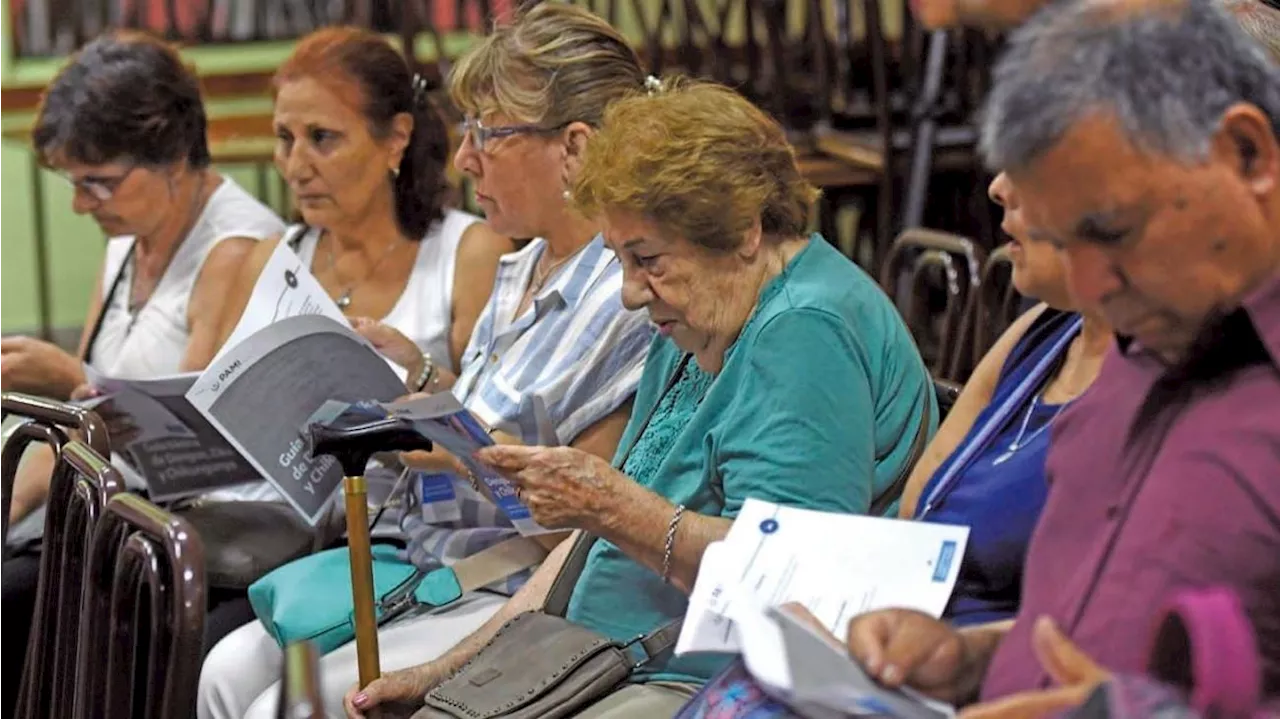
[(157, 341), (424, 312)]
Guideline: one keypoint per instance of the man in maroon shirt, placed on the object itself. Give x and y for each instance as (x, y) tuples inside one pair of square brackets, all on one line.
[(1141, 136)]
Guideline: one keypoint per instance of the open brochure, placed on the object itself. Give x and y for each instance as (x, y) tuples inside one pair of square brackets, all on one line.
[(285, 288), (835, 565), (166, 445), (442, 419), (261, 393)]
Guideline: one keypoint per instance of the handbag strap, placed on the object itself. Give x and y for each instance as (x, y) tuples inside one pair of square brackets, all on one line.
[(982, 434), (893, 492), (557, 601), (444, 586), (517, 554), (106, 304)]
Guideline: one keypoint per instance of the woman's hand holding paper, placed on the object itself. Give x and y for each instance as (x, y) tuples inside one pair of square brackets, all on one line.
[(389, 341), (437, 461), (564, 488)]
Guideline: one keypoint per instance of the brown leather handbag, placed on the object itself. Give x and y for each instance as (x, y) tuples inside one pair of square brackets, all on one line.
[(541, 664)]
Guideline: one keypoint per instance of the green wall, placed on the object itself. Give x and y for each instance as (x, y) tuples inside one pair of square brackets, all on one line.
[(75, 244)]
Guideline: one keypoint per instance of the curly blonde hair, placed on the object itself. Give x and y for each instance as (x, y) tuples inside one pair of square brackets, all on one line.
[(556, 64), (700, 161)]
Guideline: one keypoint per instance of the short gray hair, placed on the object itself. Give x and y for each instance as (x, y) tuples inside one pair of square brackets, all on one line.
[(1165, 69)]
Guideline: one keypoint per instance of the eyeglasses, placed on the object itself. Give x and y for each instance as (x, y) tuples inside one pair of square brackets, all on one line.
[(481, 135), (99, 188)]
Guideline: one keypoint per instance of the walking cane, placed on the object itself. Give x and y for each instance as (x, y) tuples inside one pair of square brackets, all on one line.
[(352, 447)]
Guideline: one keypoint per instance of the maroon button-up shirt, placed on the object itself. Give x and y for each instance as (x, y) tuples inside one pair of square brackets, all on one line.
[(1159, 481)]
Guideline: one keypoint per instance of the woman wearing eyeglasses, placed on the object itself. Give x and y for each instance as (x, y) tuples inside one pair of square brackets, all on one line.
[(554, 359), (125, 124)]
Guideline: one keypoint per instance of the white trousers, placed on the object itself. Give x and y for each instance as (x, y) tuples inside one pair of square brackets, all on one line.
[(241, 675)]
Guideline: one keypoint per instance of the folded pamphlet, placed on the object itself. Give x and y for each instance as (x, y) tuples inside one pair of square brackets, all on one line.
[(837, 566), (442, 419), (165, 445), (809, 670), (261, 394), (172, 449)]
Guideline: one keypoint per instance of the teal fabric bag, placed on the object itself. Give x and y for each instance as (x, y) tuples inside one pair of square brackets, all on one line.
[(309, 599)]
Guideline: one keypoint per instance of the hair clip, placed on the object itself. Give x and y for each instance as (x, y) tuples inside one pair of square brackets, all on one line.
[(653, 85), (420, 89)]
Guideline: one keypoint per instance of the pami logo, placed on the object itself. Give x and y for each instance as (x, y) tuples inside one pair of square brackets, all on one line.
[(224, 374)]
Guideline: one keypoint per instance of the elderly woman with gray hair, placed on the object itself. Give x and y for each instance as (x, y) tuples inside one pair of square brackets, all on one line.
[(780, 372)]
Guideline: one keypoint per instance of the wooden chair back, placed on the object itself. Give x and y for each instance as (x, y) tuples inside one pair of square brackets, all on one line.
[(932, 276)]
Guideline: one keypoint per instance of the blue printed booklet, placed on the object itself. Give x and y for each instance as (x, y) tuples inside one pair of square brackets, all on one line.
[(442, 419)]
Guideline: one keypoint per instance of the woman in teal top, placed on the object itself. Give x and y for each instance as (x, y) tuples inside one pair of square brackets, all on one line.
[(780, 372)]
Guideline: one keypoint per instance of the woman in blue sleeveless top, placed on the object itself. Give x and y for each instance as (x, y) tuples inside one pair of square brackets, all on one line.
[(985, 467)]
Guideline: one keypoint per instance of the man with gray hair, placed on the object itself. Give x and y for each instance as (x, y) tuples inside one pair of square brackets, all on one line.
[(1141, 136)]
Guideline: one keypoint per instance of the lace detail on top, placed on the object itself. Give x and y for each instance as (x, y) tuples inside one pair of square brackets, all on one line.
[(675, 408), (677, 405)]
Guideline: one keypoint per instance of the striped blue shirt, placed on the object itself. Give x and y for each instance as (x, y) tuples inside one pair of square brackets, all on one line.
[(571, 359)]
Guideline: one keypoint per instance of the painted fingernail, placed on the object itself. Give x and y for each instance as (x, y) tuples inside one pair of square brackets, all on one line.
[(890, 675), (360, 699)]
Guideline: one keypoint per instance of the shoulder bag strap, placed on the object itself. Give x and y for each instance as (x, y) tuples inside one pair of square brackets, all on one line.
[(893, 492), (557, 601), (520, 553), (106, 304), (1000, 415)]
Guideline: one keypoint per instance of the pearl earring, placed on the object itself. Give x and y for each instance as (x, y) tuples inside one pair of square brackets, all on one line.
[(566, 195)]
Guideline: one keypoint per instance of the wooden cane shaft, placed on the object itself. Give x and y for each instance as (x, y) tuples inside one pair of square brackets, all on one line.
[(355, 492)]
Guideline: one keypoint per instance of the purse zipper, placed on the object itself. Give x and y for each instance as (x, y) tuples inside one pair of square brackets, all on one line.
[(400, 599)]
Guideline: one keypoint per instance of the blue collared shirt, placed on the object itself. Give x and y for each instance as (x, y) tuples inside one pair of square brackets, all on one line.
[(569, 360)]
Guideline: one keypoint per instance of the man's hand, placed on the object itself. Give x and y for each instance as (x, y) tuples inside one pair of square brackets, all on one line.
[(900, 647), (1076, 674), (38, 367)]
